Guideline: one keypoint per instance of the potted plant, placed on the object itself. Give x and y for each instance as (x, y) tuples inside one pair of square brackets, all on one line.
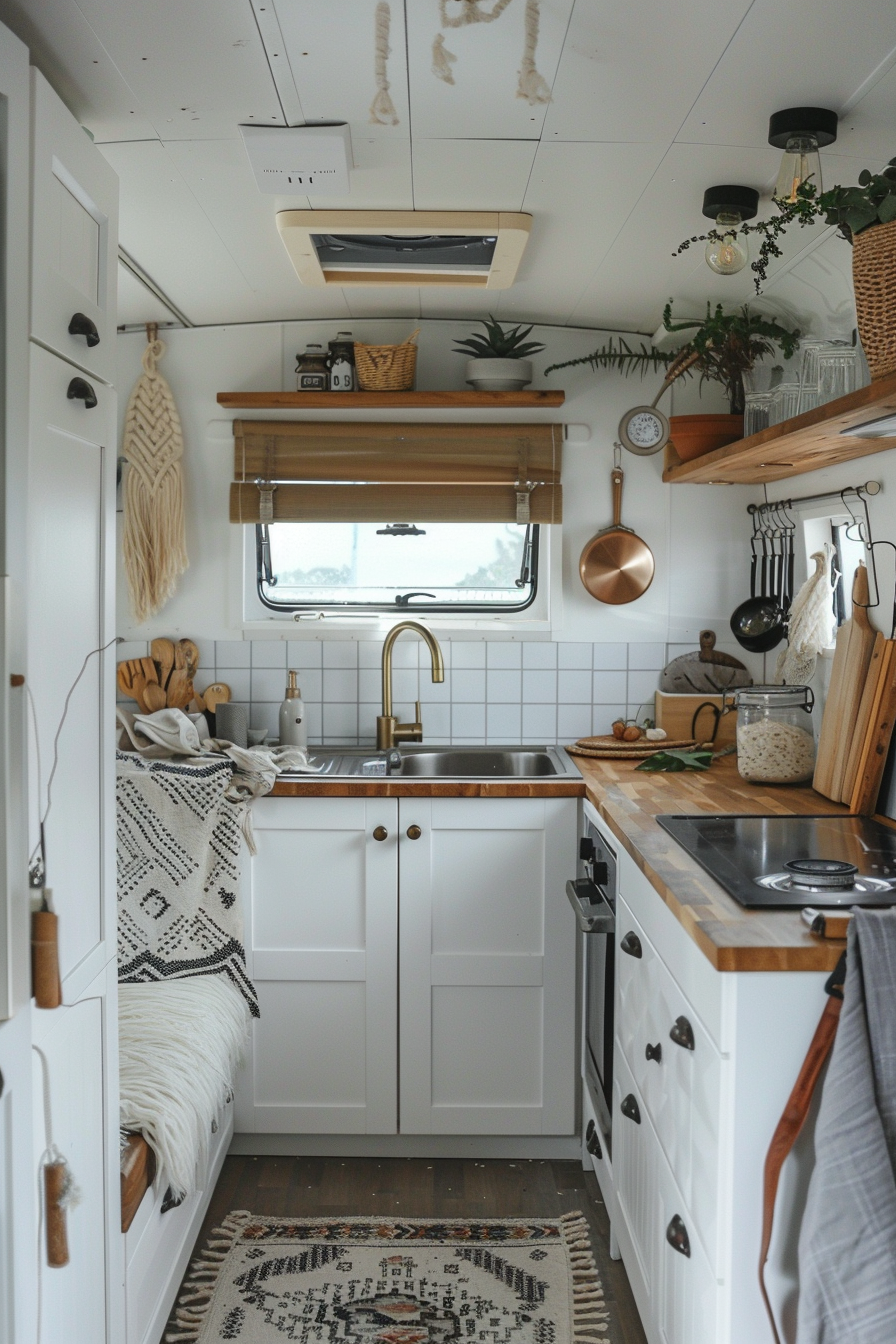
[(499, 358), (721, 348), (865, 216)]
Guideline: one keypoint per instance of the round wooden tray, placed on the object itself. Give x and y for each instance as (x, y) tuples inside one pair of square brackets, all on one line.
[(609, 747)]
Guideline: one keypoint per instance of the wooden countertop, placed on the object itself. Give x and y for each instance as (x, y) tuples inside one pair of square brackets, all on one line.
[(734, 939), (313, 786)]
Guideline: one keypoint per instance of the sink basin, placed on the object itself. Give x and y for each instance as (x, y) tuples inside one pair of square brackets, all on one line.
[(479, 763)]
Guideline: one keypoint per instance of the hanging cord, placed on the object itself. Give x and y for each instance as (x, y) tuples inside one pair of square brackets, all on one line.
[(37, 862), (382, 109), (531, 85)]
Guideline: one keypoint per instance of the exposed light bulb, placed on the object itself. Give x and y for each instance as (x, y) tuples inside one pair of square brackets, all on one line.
[(800, 163), (728, 255)]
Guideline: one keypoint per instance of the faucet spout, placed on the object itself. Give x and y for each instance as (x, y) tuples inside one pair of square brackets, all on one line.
[(388, 730)]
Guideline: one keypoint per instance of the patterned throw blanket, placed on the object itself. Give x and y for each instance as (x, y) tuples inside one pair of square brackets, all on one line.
[(179, 843)]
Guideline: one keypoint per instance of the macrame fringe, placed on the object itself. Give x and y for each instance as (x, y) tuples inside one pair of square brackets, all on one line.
[(442, 60), (382, 109), (196, 1295), (532, 86), (154, 539), (589, 1317), (471, 13)]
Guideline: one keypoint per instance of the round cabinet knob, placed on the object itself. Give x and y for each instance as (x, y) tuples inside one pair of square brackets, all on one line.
[(414, 832), (380, 833)]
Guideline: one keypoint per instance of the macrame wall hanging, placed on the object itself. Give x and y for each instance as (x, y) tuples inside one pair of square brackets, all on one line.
[(382, 109), (532, 86), (155, 552)]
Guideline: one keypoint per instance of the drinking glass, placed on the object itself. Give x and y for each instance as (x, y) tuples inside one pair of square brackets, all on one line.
[(810, 347), (757, 412), (785, 402), (837, 369)]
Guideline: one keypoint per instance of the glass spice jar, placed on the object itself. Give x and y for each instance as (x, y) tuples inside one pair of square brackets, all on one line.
[(312, 373), (342, 363), (775, 741)]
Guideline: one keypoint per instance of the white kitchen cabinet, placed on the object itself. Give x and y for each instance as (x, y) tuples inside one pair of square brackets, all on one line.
[(487, 956), (75, 238), (324, 957), (464, 924)]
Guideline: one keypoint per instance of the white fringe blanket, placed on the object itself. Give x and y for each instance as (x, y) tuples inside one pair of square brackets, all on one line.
[(179, 1048)]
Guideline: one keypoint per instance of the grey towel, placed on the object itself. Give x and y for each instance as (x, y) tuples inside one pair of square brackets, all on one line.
[(847, 1249)]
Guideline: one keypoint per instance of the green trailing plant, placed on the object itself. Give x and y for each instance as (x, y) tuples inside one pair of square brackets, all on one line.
[(498, 343), (721, 348), (851, 210)]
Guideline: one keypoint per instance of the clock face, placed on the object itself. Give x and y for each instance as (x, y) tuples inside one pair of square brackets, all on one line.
[(644, 430)]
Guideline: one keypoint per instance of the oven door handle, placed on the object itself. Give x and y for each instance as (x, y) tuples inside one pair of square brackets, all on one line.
[(593, 912)]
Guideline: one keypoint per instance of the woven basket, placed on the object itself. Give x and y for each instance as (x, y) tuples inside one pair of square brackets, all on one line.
[(874, 282), (387, 368)]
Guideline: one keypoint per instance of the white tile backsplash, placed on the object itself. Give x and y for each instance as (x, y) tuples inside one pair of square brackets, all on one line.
[(494, 690)]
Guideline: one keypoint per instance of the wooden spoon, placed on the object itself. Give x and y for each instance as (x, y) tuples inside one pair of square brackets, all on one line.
[(180, 683), (162, 651), (155, 697), (191, 656), (216, 694)]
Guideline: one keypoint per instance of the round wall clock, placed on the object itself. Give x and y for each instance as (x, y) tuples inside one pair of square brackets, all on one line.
[(644, 430)]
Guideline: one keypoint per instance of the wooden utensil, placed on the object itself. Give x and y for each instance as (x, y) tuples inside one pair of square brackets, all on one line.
[(216, 694), (847, 676), (617, 566), (162, 651), (154, 697), (855, 674), (180, 683), (134, 675), (191, 656)]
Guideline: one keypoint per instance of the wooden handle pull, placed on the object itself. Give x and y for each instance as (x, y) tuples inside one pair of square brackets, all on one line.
[(46, 985), (57, 1231)]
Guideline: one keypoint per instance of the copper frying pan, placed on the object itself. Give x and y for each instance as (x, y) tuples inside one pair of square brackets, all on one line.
[(616, 566)]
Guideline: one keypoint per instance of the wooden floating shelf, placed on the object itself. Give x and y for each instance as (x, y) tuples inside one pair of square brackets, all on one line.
[(805, 443), (367, 401)]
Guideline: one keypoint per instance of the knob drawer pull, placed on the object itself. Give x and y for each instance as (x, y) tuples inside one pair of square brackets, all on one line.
[(682, 1033), (81, 325), (631, 944), (80, 390), (380, 833), (677, 1237), (414, 832), (654, 1052), (629, 1108)]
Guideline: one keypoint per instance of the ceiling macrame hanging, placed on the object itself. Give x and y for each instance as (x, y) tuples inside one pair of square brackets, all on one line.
[(532, 86), (154, 543), (382, 109)]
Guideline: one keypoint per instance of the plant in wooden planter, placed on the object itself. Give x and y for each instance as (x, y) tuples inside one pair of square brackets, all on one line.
[(865, 216), (500, 360)]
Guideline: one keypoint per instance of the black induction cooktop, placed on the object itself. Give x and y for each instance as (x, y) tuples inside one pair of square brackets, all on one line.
[(791, 862)]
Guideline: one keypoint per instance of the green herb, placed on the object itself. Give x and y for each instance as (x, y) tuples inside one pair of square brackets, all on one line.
[(499, 343), (673, 762)]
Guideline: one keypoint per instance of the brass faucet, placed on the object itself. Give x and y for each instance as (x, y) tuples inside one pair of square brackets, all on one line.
[(388, 729)]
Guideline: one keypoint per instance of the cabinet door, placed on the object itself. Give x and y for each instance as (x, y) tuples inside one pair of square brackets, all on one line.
[(488, 966), (70, 534), (75, 237), (17, 1181), (323, 945), (635, 1172), (686, 1298)]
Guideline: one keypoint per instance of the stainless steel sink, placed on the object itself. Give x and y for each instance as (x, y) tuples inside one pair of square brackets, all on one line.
[(479, 763)]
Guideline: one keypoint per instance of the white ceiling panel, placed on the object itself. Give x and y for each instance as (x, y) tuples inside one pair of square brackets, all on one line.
[(471, 174), (163, 227), (869, 128), (385, 301), (331, 49), (380, 179), (72, 57), (198, 68), (803, 53), (483, 100), (136, 303), (620, 80), (580, 196)]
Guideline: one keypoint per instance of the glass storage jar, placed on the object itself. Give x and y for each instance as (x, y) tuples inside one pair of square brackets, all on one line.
[(775, 741)]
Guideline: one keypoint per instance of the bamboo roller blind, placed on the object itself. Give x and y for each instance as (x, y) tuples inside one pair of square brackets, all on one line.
[(346, 472)]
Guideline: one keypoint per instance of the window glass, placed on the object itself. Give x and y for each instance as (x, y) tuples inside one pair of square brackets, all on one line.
[(397, 566)]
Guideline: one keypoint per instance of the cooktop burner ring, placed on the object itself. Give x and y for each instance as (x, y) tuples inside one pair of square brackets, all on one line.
[(863, 886), (822, 874)]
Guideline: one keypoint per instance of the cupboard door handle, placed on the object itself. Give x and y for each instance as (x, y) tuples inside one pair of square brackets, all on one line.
[(629, 1108), (592, 1142), (414, 832), (2, 1084), (631, 944), (654, 1052), (80, 390), (380, 833), (677, 1237), (682, 1033), (81, 325)]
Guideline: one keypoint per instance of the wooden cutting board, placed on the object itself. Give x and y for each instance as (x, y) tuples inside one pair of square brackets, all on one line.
[(852, 656), (868, 705), (878, 734)]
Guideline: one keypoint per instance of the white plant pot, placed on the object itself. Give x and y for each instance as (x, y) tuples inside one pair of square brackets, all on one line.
[(499, 375)]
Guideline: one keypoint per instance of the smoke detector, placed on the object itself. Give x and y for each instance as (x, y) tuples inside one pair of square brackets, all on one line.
[(300, 160)]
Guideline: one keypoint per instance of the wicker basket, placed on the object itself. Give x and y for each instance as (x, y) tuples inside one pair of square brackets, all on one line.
[(387, 368), (874, 282)]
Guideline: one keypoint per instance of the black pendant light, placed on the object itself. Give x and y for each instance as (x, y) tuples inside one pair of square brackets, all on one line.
[(800, 132), (729, 206)]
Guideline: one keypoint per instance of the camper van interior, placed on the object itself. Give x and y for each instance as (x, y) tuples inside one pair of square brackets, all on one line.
[(448, 827)]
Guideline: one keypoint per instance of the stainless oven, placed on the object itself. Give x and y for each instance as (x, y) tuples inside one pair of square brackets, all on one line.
[(593, 898)]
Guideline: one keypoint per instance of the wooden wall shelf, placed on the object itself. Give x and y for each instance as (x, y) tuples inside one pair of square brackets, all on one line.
[(805, 443), (368, 401)]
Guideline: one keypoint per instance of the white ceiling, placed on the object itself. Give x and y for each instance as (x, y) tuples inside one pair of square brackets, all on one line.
[(651, 103)]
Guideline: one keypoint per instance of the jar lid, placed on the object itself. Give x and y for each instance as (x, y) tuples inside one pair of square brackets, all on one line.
[(775, 697)]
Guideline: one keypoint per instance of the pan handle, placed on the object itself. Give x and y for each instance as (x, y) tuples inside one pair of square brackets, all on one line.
[(617, 478)]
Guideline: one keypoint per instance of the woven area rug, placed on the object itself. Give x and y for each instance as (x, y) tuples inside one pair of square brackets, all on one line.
[(383, 1281)]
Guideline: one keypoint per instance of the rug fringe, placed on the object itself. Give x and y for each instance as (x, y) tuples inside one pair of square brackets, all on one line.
[(195, 1298), (589, 1325)]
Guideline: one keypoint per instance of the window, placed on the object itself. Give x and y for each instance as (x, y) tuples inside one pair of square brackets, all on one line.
[(849, 551), (396, 567)]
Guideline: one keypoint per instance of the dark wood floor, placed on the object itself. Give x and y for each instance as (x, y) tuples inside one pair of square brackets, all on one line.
[(415, 1187)]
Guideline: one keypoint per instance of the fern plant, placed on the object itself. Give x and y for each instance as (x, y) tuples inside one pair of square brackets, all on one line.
[(498, 343)]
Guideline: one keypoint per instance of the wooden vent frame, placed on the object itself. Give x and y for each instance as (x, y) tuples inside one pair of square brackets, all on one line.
[(511, 229)]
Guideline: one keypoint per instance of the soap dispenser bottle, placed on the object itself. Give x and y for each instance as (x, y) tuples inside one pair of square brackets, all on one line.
[(293, 729)]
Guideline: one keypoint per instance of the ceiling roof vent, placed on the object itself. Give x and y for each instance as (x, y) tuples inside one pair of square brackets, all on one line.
[(300, 160), (405, 247)]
